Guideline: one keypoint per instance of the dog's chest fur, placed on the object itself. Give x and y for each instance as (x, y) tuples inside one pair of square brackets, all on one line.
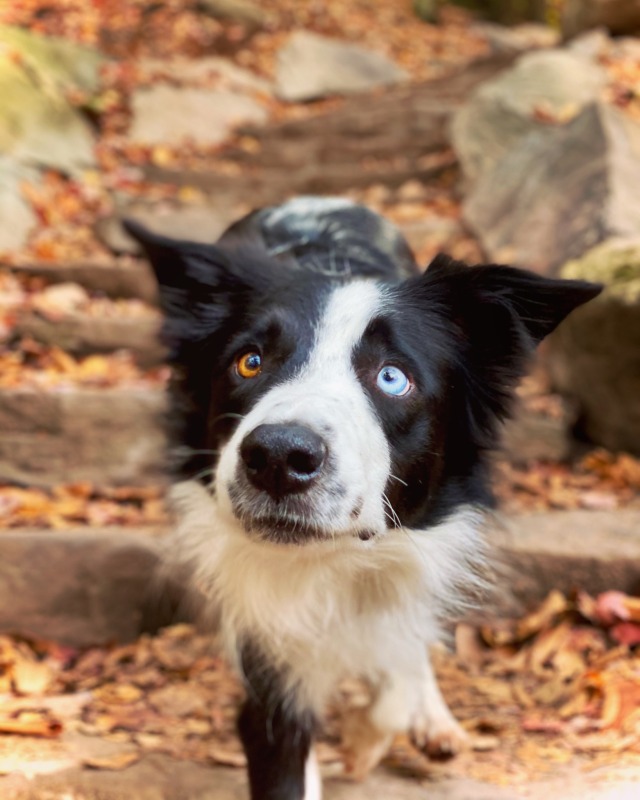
[(330, 610)]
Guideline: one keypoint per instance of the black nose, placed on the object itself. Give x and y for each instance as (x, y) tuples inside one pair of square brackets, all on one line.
[(282, 459)]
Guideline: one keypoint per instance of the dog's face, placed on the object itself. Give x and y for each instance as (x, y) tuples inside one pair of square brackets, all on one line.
[(319, 408)]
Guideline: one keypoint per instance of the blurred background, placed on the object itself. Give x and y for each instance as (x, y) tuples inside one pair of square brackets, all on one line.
[(493, 131)]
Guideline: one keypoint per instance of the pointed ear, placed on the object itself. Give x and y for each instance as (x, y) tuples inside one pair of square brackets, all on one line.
[(508, 299), (177, 263), (501, 313), (194, 281)]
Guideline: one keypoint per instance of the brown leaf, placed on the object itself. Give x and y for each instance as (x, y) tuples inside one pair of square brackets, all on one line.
[(115, 761), (544, 616), (32, 723), (31, 677), (228, 754)]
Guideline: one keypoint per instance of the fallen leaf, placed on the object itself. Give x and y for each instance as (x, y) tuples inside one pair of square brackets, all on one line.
[(116, 761)]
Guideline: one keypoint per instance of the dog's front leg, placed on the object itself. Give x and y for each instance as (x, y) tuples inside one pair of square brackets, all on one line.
[(277, 738), (403, 703), (434, 729)]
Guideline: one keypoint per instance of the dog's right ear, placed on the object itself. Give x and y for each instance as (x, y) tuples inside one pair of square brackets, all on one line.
[(194, 279), (179, 266)]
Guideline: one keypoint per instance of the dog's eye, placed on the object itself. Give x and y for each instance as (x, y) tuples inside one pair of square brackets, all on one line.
[(393, 381), (249, 365)]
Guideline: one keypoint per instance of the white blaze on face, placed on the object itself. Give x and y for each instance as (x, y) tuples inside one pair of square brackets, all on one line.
[(327, 397)]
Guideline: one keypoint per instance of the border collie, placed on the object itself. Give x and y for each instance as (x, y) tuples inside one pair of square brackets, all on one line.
[(334, 409)]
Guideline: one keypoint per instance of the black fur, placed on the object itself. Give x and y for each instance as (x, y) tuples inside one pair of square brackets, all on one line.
[(276, 739), (463, 334)]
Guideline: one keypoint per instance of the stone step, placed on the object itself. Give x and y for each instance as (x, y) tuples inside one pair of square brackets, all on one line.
[(83, 334), (160, 777), (107, 436), (95, 585), (116, 435), (124, 277)]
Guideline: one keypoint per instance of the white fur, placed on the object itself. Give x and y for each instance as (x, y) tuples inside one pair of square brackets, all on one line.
[(327, 397), (331, 609), (312, 781)]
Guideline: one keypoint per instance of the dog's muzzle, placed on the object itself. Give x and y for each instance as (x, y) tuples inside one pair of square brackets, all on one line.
[(283, 460)]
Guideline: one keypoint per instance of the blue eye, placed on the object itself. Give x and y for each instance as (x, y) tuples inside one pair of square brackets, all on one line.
[(393, 381)]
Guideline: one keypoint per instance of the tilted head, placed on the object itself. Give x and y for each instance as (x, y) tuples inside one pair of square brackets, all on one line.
[(318, 407)]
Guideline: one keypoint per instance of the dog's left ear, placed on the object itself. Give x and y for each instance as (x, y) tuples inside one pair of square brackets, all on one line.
[(501, 314), (497, 300)]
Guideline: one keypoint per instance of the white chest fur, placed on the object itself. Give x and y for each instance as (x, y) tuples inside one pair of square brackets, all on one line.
[(323, 611)]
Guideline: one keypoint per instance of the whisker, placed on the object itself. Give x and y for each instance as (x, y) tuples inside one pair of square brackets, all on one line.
[(394, 518), (203, 473), (396, 478)]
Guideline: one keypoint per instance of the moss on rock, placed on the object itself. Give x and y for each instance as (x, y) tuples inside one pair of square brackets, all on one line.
[(616, 264)]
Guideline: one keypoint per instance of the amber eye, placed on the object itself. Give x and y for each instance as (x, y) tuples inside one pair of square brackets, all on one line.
[(249, 365)]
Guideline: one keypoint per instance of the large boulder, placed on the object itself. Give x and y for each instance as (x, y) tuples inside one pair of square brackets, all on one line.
[(18, 218), (38, 125), (595, 354), (550, 168), (552, 86), (559, 190), (55, 60), (312, 66)]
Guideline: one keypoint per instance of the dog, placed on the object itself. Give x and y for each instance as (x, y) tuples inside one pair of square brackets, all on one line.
[(333, 410)]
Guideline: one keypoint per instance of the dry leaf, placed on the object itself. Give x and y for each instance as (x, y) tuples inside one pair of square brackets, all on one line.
[(116, 761), (32, 723)]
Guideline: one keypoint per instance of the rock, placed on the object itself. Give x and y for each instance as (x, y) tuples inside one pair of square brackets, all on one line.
[(619, 16), (595, 354), (551, 85), (122, 278), (18, 218), (167, 115), (590, 44), (81, 588), (196, 70), (104, 436), (243, 12), (161, 777), (430, 230), (517, 38), (52, 59), (559, 191), (83, 335), (312, 66), (95, 585), (38, 126), (534, 436), (566, 550), (356, 144), (198, 223)]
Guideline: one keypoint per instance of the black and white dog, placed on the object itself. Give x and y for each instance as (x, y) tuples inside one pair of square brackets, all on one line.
[(335, 409)]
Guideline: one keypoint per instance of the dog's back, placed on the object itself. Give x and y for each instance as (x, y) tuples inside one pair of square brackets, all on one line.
[(329, 235)]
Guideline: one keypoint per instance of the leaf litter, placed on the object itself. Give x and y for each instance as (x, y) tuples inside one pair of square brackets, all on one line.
[(555, 687)]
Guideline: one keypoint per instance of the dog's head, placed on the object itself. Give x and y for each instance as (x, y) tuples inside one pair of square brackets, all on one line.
[(318, 408)]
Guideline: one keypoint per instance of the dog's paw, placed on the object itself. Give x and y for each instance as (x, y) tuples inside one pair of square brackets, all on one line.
[(440, 738), (363, 745)]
